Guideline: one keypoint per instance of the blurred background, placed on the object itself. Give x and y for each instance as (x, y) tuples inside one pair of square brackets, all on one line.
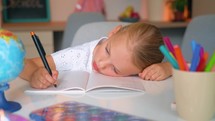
[(148, 9), (48, 18)]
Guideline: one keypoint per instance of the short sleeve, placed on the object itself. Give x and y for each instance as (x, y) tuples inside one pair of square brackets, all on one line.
[(71, 59), (76, 58)]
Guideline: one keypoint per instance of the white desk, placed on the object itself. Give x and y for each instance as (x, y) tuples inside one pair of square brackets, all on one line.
[(155, 104)]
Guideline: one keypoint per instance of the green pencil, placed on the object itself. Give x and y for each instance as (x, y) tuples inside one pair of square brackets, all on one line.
[(211, 63)]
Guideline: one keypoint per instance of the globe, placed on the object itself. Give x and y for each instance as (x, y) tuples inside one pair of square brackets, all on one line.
[(12, 53)]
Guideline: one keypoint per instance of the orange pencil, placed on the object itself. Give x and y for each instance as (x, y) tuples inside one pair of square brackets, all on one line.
[(202, 62), (185, 65), (179, 58)]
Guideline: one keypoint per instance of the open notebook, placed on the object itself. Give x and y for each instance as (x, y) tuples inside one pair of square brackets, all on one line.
[(74, 82)]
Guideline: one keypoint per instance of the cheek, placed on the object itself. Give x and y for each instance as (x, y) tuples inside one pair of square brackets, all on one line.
[(96, 54), (109, 72), (99, 55)]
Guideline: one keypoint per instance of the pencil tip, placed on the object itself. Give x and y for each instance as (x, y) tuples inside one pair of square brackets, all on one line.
[(32, 33)]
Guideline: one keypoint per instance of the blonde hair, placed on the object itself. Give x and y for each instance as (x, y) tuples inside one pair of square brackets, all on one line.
[(144, 41)]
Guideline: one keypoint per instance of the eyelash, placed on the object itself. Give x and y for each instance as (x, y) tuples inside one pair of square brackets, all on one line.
[(107, 50), (113, 68)]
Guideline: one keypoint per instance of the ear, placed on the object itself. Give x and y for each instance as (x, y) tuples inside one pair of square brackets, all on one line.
[(115, 30)]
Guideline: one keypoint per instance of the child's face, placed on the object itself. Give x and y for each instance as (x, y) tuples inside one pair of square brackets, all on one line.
[(113, 58)]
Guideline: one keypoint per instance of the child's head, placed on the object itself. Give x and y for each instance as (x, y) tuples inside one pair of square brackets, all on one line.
[(144, 40), (128, 50)]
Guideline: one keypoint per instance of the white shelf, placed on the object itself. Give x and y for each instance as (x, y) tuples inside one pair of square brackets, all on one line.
[(59, 26)]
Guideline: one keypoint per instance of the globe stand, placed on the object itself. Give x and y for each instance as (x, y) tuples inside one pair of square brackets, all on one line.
[(9, 106)]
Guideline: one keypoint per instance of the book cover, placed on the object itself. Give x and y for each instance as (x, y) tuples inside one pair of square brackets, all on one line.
[(76, 111)]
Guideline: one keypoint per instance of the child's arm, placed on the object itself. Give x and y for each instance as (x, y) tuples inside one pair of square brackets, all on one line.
[(157, 72), (35, 72)]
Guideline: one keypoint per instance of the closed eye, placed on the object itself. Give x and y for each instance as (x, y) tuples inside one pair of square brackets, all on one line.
[(116, 71), (107, 51)]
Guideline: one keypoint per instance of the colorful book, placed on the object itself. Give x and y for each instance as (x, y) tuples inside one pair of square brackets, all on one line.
[(79, 82), (75, 111)]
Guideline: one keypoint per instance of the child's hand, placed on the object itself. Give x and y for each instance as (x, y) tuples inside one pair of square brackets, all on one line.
[(157, 72), (41, 79)]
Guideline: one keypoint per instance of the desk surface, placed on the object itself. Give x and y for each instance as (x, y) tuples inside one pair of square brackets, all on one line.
[(154, 104)]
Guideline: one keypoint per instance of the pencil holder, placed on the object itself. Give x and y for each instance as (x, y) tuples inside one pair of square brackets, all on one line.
[(194, 94)]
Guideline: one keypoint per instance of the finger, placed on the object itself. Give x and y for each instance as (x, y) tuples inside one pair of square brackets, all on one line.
[(38, 79), (150, 74), (50, 79), (38, 85), (159, 78), (43, 86), (146, 70), (162, 77), (54, 74), (155, 77), (42, 78), (46, 83), (150, 71), (37, 82), (144, 73), (34, 86)]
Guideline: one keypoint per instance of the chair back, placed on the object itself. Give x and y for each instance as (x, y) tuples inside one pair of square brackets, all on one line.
[(93, 31), (75, 21), (202, 30)]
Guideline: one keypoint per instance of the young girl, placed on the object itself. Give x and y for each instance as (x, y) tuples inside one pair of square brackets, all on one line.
[(127, 51)]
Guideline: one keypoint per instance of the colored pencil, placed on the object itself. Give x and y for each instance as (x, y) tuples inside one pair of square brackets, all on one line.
[(195, 58), (179, 57), (170, 58), (211, 63), (202, 62), (193, 43), (169, 45)]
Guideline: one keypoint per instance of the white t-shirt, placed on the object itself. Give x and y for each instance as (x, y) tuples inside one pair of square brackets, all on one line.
[(76, 58)]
